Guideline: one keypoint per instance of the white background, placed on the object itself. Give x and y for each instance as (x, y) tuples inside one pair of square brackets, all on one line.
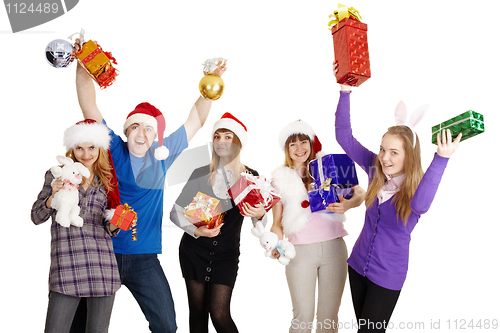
[(280, 69)]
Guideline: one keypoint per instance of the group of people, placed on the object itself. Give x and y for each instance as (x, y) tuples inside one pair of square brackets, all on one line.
[(90, 263)]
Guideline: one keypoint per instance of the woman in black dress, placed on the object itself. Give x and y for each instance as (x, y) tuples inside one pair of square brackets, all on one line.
[(209, 257)]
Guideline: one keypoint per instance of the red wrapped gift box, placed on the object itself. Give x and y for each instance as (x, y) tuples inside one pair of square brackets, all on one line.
[(350, 43), (124, 217), (253, 190), (204, 210)]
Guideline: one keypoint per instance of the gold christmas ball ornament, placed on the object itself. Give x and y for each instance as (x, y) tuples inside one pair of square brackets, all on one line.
[(211, 87)]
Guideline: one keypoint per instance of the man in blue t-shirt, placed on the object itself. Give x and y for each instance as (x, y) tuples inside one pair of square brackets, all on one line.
[(141, 164)]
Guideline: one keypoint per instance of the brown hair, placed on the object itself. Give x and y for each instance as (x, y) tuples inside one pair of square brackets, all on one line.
[(412, 168), (306, 178), (101, 167), (214, 163)]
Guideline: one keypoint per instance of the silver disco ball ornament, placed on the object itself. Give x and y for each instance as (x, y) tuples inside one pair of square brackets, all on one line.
[(59, 53)]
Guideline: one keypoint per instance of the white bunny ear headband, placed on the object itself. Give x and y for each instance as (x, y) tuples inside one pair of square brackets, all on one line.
[(416, 117)]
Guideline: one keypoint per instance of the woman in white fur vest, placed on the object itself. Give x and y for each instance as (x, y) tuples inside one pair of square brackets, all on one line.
[(317, 237)]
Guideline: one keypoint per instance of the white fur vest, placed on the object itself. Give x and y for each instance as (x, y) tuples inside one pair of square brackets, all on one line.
[(293, 193)]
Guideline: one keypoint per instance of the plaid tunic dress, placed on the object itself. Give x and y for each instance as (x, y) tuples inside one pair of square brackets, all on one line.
[(82, 261)]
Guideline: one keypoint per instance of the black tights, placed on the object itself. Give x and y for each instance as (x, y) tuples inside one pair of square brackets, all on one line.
[(373, 304), (209, 299)]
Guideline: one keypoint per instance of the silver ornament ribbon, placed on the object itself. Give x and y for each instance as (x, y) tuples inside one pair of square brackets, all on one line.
[(210, 64)]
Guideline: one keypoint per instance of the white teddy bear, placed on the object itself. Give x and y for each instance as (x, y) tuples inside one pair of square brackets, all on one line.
[(66, 200), (270, 242)]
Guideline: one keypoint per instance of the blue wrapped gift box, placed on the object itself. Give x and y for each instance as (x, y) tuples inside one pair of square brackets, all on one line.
[(334, 175), (339, 167)]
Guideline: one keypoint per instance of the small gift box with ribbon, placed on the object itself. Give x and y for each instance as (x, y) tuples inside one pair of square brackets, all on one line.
[(204, 210), (469, 123), (124, 217), (254, 190), (98, 63), (334, 175), (350, 42)]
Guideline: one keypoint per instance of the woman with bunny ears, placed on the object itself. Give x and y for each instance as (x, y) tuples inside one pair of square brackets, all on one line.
[(321, 252), (399, 192), (209, 257), (83, 264)]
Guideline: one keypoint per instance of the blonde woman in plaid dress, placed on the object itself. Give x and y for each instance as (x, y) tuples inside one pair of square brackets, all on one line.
[(83, 263)]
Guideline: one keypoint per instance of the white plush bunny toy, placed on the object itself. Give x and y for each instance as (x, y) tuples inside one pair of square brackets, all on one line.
[(66, 200), (270, 242)]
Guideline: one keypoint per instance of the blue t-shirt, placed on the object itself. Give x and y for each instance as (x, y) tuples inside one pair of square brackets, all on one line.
[(144, 191)]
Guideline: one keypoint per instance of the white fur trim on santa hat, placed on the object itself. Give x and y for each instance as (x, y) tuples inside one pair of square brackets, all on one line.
[(94, 133), (233, 126), (140, 118), (295, 127)]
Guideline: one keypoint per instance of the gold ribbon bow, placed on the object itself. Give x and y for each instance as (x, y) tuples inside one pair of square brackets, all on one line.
[(342, 13), (326, 185)]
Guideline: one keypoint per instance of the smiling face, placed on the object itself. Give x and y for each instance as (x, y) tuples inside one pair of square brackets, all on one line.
[(140, 136), (299, 151), (86, 153), (392, 155)]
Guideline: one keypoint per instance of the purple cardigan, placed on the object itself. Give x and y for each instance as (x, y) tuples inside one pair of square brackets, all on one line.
[(382, 249)]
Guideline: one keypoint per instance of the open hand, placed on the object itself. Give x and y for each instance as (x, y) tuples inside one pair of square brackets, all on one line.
[(446, 147)]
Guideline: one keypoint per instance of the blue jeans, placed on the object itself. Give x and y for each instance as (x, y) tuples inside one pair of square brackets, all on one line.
[(143, 275)]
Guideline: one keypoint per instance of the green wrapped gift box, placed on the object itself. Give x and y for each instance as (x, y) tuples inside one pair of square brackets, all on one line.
[(469, 123)]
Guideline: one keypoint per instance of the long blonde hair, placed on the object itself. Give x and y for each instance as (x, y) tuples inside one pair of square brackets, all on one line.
[(238, 167), (101, 167), (413, 171), (306, 178)]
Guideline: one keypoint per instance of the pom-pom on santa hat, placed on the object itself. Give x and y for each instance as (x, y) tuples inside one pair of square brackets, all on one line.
[(90, 131), (299, 127), (230, 122), (149, 115)]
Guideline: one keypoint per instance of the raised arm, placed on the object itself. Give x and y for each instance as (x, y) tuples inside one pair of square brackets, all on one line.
[(197, 117), (86, 92)]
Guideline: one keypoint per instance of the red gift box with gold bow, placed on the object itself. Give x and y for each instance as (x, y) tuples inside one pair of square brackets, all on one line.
[(124, 217), (350, 42)]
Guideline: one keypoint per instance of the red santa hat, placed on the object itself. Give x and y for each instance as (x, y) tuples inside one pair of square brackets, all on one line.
[(149, 115), (299, 127), (90, 131), (231, 123)]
